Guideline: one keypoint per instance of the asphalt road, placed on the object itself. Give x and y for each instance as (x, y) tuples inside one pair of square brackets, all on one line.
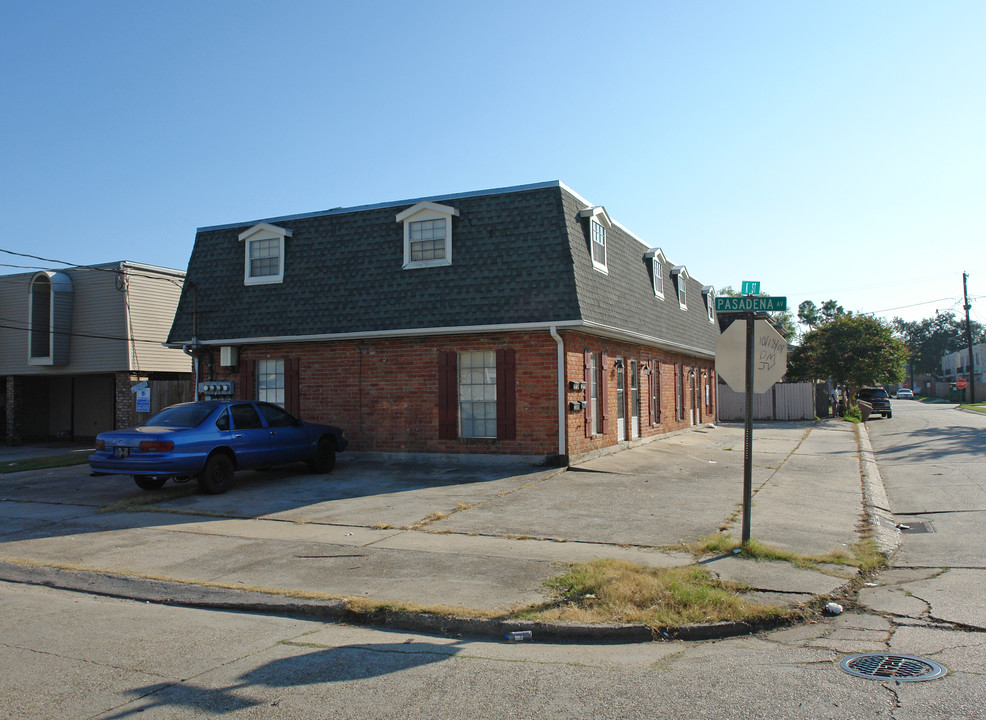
[(933, 462), (65, 654)]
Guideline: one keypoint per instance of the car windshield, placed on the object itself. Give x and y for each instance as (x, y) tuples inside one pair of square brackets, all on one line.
[(873, 393), (186, 416)]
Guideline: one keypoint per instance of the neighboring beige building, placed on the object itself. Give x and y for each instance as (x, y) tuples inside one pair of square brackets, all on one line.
[(75, 342)]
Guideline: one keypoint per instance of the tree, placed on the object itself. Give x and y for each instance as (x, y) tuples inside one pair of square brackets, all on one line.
[(929, 339), (782, 321), (811, 315), (852, 350)]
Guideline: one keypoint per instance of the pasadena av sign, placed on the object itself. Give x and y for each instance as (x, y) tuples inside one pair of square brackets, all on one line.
[(760, 303)]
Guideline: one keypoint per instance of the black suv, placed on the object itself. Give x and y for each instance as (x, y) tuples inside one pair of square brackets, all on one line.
[(878, 398)]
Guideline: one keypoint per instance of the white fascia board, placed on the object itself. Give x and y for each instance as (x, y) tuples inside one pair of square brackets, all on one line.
[(577, 325), (427, 205), (680, 270), (383, 334), (658, 253), (626, 335), (265, 227), (597, 213), (708, 290)]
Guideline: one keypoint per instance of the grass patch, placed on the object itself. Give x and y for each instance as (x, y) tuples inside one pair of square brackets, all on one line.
[(864, 554), (142, 502), (617, 591), (42, 463), (978, 407)]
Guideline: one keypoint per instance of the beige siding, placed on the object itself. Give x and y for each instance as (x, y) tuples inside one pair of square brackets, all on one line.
[(153, 300), (100, 325)]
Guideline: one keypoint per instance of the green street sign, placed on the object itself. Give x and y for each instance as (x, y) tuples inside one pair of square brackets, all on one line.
[(750, 288), (751, 304)]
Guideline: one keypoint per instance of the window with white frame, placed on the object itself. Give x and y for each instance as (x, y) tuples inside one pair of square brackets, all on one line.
[(427, 234), (477, 394), (594, 392), (270, 381), (598, 223), (598, 233), (657, 261), (681, 275), (710, 302), (264, 254)]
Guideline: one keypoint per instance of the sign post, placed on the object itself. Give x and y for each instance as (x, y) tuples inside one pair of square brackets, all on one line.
[(750, 365)]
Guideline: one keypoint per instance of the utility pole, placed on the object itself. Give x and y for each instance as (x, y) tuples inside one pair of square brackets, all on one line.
[(968, 338)]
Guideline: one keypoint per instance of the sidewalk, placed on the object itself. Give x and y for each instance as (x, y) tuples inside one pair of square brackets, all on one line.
[(451, 534)]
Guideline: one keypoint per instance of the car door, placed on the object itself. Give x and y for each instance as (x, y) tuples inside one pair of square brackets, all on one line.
[(250, 439), (290, 440)]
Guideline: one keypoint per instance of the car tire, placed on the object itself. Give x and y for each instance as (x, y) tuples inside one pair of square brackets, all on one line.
[(150, 482), (889, 415), (325, 456), (217, 475)]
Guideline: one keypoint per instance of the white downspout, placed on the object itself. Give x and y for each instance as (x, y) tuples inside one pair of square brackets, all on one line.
[(561, 390)]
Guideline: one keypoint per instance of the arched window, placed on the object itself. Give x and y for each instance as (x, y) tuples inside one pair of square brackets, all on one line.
[(40, 318)]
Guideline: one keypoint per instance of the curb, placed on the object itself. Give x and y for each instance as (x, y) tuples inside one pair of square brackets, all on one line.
[(177, 593), (875, 499)]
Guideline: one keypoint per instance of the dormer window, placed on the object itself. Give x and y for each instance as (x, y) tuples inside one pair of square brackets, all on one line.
[(657, 263), (710, 301), (598, 223), (427, 235), (680, 275), (263, 247)]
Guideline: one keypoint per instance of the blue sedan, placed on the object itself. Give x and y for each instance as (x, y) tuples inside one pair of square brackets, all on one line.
[(212, 439)]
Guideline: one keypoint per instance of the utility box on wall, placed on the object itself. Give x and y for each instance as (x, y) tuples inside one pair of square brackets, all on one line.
[(227, 356)]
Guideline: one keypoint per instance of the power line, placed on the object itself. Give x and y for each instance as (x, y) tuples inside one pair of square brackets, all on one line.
[(76, 334), (172, 280)]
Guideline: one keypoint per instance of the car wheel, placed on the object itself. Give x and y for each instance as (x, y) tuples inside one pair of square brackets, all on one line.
[(889, 415), (325, 456), (150, 482), (217, 475)]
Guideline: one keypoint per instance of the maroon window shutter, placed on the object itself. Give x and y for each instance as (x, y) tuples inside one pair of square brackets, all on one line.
[(246, 388), (587, 359), (604, 393), (677, 392), (506, 394), (292, 385), (448, 395)]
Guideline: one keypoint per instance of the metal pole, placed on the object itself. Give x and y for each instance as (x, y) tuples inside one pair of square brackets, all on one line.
[(968, 339), (748, 434)]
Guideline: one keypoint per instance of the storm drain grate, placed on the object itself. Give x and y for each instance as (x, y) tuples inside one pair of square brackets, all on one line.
[(892, 667), (915, 526)]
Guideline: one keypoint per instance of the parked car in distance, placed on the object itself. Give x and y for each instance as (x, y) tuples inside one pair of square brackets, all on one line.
[(904, 393), (210, 440), (878, 398)]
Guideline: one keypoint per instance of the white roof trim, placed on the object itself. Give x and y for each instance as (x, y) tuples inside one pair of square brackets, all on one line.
[(708, 290), (597, 213), (680, 270), (265, 227), (427, 205), (658, 253)]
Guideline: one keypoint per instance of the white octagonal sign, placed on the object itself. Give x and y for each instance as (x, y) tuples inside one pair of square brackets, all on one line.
[(769, 356)]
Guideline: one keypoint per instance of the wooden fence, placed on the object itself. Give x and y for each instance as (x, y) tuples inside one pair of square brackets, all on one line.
[(784, 401)]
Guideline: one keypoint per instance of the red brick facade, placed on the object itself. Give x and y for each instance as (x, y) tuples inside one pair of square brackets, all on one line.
[(384, 393)]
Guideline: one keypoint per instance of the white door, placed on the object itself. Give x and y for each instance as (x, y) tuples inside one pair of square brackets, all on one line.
[(621, 401)]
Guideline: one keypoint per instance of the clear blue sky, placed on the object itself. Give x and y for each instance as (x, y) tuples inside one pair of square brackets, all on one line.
[(826, 149)]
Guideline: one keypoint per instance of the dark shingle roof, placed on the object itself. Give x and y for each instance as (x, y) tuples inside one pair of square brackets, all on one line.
[(520, 256)]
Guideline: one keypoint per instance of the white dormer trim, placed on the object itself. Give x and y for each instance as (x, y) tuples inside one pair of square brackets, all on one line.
[(263, 232), (709, 293), (680, 274), (657, 263), (599, 214), (423, 212), (599, 222)]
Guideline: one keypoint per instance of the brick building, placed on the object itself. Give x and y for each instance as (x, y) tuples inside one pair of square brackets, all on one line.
[(518, 321)]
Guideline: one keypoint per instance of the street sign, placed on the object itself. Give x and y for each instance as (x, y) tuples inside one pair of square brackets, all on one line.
[(750, 288), (762, 303), (961, 383), (769, 356)]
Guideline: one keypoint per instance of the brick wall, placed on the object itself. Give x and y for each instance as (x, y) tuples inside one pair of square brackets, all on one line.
[(384, 393), (124, 400), (14, 407)]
